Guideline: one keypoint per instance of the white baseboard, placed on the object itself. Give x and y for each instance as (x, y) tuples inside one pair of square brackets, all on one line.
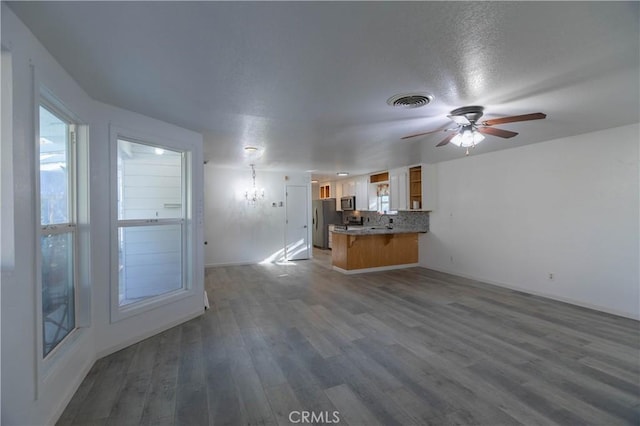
[(241, 263), (72, 391), (134, 340), (376, 269), (630, 315)]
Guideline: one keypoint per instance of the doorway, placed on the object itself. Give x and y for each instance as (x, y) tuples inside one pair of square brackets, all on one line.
[(297, 245)]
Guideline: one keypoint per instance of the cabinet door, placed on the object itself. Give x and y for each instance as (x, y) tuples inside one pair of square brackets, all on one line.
[(398, 189), (325, 190), (338, 195), (348, 188), (362, 193)]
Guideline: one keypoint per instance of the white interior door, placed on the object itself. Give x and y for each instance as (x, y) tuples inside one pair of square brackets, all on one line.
[(297, 227)]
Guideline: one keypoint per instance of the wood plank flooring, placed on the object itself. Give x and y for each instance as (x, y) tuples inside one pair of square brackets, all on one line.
[(405, 347)]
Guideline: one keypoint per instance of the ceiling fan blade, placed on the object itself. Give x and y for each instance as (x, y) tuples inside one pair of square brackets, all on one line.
[(514, 118), (447, 139), (422, 134), (496, 132), (459, 119)]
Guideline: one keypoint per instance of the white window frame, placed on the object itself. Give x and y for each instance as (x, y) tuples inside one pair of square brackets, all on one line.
[(118, 312), (78, 163)]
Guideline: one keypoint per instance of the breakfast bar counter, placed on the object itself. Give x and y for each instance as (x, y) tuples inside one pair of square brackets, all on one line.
[(374, 249)]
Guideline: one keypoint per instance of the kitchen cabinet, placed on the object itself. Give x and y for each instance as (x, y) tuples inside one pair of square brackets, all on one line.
[(398, 189), (357, 187), (331, 228), (362, 192), (348, 188), (415, 188), (355, 252), (338, 195), (327, 190)]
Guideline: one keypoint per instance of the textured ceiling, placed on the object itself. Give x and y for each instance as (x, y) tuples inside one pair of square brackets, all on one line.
[(308, 82)]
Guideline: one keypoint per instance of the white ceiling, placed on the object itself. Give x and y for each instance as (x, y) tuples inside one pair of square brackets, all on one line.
[(308, 81)]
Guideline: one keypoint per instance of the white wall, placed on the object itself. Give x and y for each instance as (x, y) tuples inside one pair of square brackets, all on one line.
[(236, 232), (28, 398), (567, 207)]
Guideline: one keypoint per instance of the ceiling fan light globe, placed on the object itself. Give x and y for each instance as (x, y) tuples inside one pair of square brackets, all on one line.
[(467, 138), (477, 137), (457, 140)]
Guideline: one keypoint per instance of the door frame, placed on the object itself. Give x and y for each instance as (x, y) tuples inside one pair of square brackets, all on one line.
[(307, 215)]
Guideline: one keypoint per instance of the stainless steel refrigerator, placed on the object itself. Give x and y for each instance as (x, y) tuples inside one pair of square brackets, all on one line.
[(324, 214)]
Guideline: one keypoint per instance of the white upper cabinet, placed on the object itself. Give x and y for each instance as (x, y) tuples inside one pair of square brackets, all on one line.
[(348, 188), (398, 188), (338, 195), (406, 185), (356, 187), (362, 192)]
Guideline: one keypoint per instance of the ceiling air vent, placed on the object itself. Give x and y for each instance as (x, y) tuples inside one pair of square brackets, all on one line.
[(410, 100)]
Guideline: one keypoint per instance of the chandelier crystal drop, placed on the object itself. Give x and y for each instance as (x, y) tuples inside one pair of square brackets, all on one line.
[(252, 194)]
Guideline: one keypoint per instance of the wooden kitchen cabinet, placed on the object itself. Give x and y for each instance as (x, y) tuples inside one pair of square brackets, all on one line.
[(351, 253), (326, 190), (415, 188)]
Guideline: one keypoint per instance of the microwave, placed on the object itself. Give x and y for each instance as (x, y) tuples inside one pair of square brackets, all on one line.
[(348, 203)]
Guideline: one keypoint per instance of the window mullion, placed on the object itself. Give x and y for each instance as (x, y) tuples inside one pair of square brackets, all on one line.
[(56, 229), (124, 223), (73, 176)]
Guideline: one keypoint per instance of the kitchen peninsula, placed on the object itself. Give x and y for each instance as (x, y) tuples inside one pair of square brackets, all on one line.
[(368, 249)]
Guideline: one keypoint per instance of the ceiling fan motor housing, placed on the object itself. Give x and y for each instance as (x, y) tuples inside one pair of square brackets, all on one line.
[(472, 113)]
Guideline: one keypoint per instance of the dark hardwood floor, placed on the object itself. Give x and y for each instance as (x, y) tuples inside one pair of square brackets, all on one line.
[(404, 347)]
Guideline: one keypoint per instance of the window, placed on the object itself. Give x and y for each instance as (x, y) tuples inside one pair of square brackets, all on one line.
[(382, 192), (151, 215), (58, 239)]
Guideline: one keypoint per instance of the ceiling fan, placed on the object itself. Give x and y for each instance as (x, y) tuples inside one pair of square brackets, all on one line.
[(470, 131)]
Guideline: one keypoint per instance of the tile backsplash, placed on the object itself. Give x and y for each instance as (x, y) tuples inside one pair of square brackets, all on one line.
[(403, 219)]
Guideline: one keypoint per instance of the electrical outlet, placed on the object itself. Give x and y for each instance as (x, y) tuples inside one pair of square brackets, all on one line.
[(451, 259), (550, 276)]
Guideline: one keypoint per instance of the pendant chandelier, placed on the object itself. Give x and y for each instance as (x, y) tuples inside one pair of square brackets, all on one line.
[(252, 194)]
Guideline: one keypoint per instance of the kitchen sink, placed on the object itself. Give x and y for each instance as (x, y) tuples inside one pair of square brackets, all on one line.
[(365, 228)]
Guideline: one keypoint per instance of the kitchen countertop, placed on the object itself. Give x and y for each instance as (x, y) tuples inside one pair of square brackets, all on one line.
[(376, 230)]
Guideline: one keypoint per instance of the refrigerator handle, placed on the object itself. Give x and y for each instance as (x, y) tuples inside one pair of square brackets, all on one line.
[(316, 219)]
